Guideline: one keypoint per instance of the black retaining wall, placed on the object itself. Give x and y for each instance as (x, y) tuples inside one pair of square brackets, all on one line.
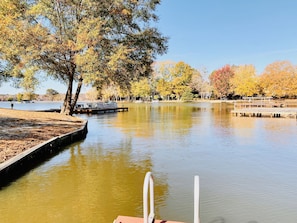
[(20, 164)]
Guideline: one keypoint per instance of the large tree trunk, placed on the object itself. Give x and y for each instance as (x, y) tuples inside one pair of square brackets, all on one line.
[(80, 83), (66, 109)]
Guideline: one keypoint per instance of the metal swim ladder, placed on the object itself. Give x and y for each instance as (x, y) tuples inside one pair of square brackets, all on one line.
[(149, 185)]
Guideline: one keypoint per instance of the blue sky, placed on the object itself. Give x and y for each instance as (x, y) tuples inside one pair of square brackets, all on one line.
[(208, 34), (212, 33)]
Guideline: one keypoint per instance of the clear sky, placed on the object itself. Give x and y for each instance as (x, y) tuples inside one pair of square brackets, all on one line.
[(212, 33), (208, 34)]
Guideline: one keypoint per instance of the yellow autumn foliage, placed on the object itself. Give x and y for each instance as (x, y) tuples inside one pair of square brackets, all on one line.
[(279, 79), (244, 82)]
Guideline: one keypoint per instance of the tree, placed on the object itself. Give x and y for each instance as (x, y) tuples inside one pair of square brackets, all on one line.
[(244, 82), (187, 95), (92, 94), (182, 75), (163, 70), (28, 96), (4, 76), (13, 63), (19, 97), (174, 78), (51, 93), (196, 83), (164, 88), (141, 88), (163, 77), (109, 91), (87, 42), (279, 79), (220, 80)]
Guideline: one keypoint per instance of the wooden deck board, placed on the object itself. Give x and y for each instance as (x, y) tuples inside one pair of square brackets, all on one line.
[(127, 219)]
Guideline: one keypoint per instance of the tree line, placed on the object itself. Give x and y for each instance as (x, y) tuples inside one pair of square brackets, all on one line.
[(278, 80), (179, 81)]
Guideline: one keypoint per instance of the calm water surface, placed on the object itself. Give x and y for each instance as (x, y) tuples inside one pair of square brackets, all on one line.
[(247, 168)]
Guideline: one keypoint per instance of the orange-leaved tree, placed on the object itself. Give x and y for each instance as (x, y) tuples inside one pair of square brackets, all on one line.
[(279, 79), (220, 80)]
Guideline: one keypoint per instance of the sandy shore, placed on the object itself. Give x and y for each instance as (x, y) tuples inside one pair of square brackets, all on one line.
[(21, 130)]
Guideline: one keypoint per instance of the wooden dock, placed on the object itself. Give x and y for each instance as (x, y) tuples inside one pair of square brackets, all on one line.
[(126, 219), (99, 110), (91, 110), (275, 112), (265, 107)]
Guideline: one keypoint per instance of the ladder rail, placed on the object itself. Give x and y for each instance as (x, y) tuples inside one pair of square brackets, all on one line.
[(148, 185), (196, 200)]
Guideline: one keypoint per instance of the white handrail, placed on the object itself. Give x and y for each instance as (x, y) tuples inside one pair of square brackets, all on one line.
[(196, 199), (148, 182), (149, 185)]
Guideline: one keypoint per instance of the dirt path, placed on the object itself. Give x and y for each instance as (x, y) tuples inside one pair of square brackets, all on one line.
[(21, 130)]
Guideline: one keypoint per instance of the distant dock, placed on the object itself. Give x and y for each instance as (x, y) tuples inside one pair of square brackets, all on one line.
[(265, 107), (266, 112), (92, 110), (99, 111)]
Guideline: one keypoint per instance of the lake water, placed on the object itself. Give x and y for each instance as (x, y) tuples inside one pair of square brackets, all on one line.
[(247, 168)]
